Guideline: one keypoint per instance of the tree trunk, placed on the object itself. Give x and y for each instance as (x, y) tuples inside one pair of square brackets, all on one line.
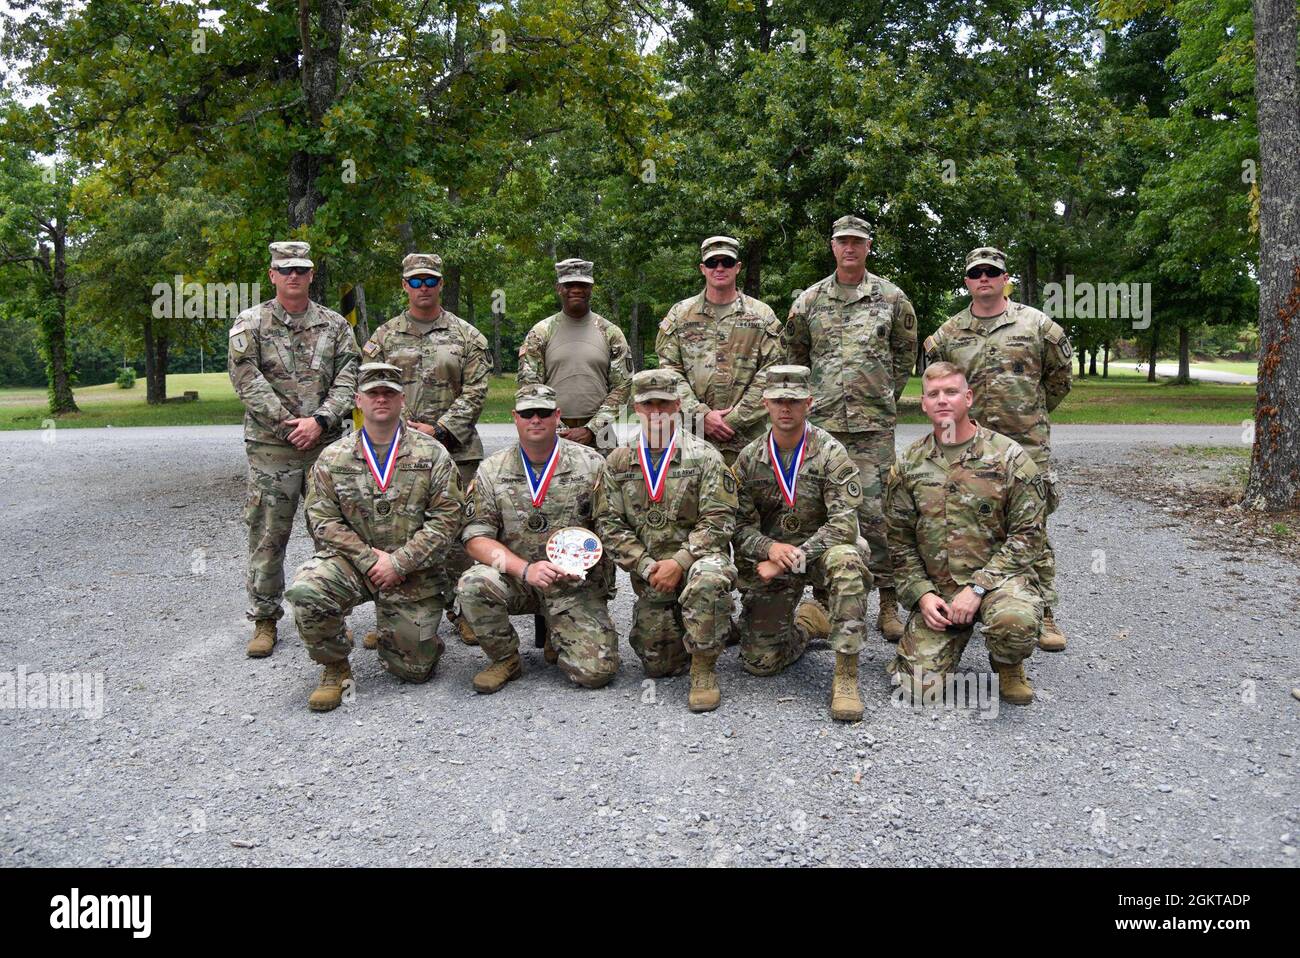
[(1030, 293), (1083, 357), (451, 288), (1184, 356), (1274, 483), (634, 326), (363, 318), (155, 363), (1151, 354), (1105, 361), (754, 267), (56, 329), (1092, 362), (497, 319)]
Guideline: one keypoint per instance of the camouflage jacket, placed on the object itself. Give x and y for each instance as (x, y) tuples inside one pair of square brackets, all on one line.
[(532, 366), (415, 519), (285, 369), (860, 350), (978, 521), (722, 352), (500, 506), (695, 517), (826, 502), (1018, 367), (445, 374)]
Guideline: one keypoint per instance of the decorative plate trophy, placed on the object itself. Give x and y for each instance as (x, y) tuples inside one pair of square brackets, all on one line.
[(574, 549)]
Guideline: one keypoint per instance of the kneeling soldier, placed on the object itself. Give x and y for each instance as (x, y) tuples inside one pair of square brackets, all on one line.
[(965, 508), (798, 525), (522, 495), (666, 512), (384, 505)]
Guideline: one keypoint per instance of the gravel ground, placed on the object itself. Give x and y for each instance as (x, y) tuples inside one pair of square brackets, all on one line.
[(1165, 735)]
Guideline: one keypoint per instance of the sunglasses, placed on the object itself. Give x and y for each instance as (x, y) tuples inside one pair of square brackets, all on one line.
[(294, 270), (534, 413), (978, 272), (713, 262), (415, 282)]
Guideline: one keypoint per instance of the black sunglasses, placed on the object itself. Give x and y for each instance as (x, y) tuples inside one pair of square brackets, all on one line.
[(714, 262), (299, 270), (415, 282), (977, 272), (534, 413)]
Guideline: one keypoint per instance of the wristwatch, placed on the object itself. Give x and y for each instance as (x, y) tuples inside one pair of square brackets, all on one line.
[(322, 422), (979, 590)]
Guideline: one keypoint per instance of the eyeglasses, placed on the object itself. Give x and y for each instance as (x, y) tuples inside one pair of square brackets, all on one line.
[(979, 272), (415, 282), (534, 413), (713, 262), (295, 270)]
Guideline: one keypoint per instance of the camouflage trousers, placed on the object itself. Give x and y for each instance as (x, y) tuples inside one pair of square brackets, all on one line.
[(769, 641), (873, 454), (277, 481), (1045, 567), (457, 561), (667, 628), (577, 621), (1009, 618), (327, 588)]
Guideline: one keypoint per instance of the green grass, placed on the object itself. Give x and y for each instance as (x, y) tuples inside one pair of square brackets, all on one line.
[(1123, 398)]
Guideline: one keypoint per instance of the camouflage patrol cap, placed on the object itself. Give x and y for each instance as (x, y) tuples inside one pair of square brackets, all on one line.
[(788, 382), (535, 396), (720, 246), (373, 375), (291, 253), (851, 226), (421, 264), (574, 271), (655, 384), (987, 256)]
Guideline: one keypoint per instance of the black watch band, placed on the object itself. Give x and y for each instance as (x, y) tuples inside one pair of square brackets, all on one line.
[(322, 422)]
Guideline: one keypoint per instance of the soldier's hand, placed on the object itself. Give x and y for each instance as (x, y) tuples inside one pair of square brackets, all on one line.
[(768, 570), (543, 575), (790, 558), (714, 426), (581, 434), (665, 575), (305, 432), (935, 612), (382, 573), (421, 427), (964, 606)]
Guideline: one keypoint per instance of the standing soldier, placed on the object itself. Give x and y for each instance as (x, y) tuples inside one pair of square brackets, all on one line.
[(857, 332), (522, 495), (445, 372), (666, 512), (384, 504), (1018, 364), (721, 342), (293, 364), (583, 357), (797, 525), (965, 509)]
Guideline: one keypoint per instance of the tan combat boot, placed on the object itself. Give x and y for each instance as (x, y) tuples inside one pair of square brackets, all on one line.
[(495, 676), (550, 653), (466, 633), (329, 694), (1013, 687), (812, 620), (705, 695), (887, 621), (264, 636), (371, 640), (845, 704), (1050, 636)]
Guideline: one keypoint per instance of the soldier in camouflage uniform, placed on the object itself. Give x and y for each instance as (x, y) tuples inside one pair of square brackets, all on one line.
[(583, 357), (382, 535), (293, 364), (965, 507), (1017, 362), (721, 342), (782, 547), (673, 541), (857, 332), (521, 496), (445, 372)]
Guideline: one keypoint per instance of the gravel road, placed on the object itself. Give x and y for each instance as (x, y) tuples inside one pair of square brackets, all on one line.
[(1165, 735)]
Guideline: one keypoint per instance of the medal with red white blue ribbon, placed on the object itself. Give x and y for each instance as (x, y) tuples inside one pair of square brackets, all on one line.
[(537, 485), (383, 474), (655, 478), (787, 479)]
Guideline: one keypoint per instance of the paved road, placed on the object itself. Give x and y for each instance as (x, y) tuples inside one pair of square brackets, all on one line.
[(1202, 375), (1165, 735)]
